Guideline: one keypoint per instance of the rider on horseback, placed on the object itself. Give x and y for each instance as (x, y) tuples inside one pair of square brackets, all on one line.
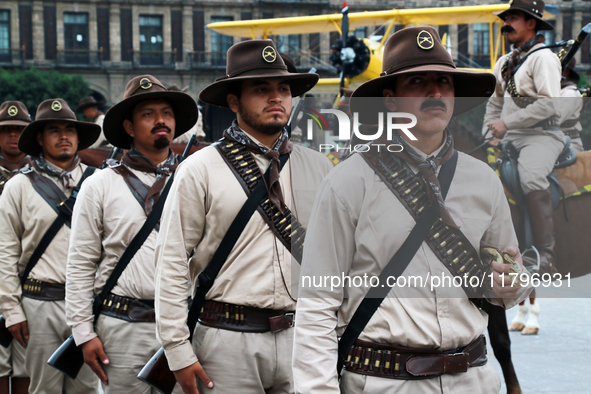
[(522, 110)]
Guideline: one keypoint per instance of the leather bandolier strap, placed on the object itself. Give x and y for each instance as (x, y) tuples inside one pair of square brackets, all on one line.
[(138, 188), (448, 243), (3, 180), (50, 193), (285, 226)]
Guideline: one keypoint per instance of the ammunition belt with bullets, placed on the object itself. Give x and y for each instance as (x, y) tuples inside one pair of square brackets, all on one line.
[(44, 291), (129, 309), (285, 226)]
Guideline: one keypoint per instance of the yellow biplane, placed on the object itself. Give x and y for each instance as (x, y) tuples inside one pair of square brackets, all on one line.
[(263, 28)]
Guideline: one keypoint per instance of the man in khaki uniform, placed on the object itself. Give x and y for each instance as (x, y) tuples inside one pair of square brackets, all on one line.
[(110, 211), (571, 107), (89, 106), (360, 219), (35, 314), (524, 110), (14, 116), (250, 351)]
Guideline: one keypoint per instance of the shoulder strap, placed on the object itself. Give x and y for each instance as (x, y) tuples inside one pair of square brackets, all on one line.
[(135, 244), (53, 195), (138, 189), (395, 266), (208, 275), (64, 215)]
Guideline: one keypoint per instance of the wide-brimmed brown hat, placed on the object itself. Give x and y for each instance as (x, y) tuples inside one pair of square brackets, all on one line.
[(534, 8), (419, 50), (146, 87), (289, 62), (255, 59), (56, 109), (14, 113), (176, 88), (87, 102)]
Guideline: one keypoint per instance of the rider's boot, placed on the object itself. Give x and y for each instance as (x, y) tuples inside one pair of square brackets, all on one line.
[(539, 203)]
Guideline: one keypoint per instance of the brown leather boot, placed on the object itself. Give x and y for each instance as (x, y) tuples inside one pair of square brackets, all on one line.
[(539, 203)]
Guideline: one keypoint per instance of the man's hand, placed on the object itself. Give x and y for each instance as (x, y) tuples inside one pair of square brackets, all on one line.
[(494, 142), (187, 378), (94, 355), (501, 278), (497, 127), (20, 332)]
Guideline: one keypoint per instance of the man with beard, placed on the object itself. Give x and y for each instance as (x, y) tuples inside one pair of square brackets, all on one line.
[(243, 340), (523, 110), (419, 338), (112, 208), (14, 116), (41, 195)]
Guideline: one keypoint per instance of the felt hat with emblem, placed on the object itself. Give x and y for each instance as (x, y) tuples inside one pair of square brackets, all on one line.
[(146, 87), (419, 50), (255, 59), (14, 113), (534, 8), (56, 110), (87, 102)]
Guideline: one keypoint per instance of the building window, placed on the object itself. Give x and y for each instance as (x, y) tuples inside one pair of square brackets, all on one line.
[(360, 32), (5, 36), (481, 39), (220, 43), (76, 37), (550, 35), (151, 42), (291, 45)]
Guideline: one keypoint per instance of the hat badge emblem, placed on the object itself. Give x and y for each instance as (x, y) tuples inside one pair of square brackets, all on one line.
[(56, 106), (145, 83), (425, 40), (269, 54), (12, 110)]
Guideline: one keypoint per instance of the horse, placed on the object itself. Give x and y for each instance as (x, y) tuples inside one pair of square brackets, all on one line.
[(571, 238)]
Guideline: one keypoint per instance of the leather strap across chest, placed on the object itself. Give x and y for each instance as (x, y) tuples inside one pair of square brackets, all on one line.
[(285, 226), (448, 243), (138, 189), (50, 193)]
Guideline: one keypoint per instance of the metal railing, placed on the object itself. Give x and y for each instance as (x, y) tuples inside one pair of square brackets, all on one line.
[(153, 59), (217, 60), (86, 58), (12, 57)]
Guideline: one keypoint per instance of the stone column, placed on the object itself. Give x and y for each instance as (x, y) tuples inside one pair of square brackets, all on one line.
[(577, 26), (452, 33), (38, 33), (187, 32), (115, 32)]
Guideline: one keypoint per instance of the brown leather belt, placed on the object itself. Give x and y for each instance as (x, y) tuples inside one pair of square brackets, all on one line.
[(572, 134), (129, 309), (396, 362), (244, 318), (44, 291)]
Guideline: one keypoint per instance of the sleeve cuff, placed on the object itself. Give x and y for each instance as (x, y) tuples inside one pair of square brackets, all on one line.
[(14, 316), (180, 356), (83, 333)]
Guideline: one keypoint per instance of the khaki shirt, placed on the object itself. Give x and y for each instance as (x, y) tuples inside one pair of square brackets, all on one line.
[(101, 141), (357, 226), (204, 199), (24, 219), (539, 76), (571, 106), (197, 130), (106, 218)]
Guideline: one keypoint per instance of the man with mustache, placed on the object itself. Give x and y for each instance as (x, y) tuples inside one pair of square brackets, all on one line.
[(524, 111), (111, 210), (41, 195), (244, 337), (14, 116), (421, 336)]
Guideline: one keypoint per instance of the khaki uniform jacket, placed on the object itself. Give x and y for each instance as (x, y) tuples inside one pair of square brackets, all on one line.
[(539, 76), (106, 218), (357, 226), (571, 106), (204, 199), (24, 218)]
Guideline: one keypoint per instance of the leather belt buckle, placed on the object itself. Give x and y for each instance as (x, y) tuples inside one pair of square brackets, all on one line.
[(281, 322)]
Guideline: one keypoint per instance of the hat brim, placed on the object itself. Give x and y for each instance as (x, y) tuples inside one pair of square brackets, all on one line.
[(87, 132), (183, 105), (82, 107), (217, 92), (15, 122), (542, 25), (475, 84)]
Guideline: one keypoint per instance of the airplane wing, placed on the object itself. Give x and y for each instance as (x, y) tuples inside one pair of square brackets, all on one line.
[(327, 23)]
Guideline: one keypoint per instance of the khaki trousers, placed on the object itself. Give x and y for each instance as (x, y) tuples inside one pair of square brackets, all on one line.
[(245, 363), (537, 156), (47, 331), (129, 346), (577, 144), (478, 380), (12, 361)]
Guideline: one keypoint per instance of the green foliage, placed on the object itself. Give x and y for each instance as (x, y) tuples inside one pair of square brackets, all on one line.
[(32, 86), (583, 84)]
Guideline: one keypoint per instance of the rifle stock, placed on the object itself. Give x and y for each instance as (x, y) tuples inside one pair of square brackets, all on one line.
[(5, 335), (157, 374), (68, 358)]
